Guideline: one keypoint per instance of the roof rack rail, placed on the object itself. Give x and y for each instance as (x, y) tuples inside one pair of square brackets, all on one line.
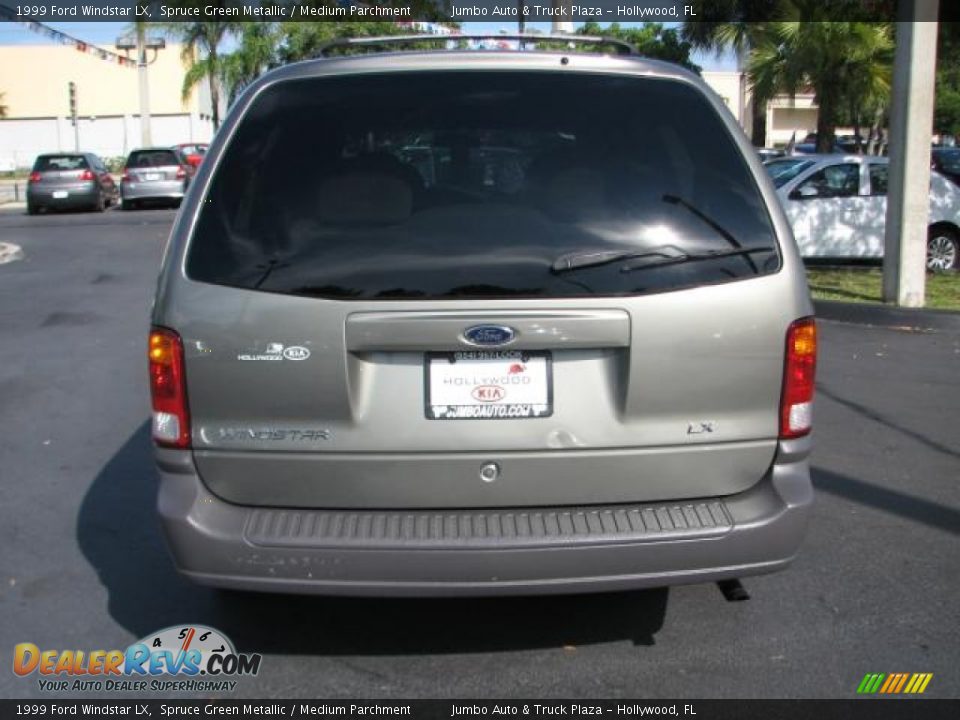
[(622, 47)]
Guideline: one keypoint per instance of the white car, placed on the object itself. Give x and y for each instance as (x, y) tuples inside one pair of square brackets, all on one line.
[(837, 205)]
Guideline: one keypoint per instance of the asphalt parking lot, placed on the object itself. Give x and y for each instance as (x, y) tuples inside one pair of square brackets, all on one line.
[(874, 590)]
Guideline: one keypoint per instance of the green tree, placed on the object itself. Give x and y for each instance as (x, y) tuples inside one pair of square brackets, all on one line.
[(303, 40), (255, 54), (201, 52), (946, 117), (651, 40), (737, 25), (844, 63)]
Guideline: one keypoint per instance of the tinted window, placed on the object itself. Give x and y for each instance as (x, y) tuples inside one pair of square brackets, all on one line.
[(46, 163), (460, 185), (835, 181), (152, 158), (783, 171), (878, 179)]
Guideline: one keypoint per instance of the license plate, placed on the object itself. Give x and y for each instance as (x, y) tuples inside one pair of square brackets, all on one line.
[(488, 385), (151, 176), (59, 194)]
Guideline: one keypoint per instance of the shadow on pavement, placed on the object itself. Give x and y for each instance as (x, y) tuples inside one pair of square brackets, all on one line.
[(883, 420), (119, 534), (907, 506)]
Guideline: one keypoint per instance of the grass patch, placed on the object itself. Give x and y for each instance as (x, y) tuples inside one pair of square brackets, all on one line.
[(866, 285)]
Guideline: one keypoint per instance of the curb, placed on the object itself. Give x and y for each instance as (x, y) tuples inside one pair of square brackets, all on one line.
[(887, 315), (10, 252)]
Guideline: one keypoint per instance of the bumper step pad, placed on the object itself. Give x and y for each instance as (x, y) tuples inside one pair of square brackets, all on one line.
[(522, 527)]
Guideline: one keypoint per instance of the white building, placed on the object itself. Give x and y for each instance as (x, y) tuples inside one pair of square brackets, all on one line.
[(35, 82)]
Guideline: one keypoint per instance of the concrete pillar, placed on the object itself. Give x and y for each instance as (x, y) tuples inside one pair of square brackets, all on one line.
[(143, 82), (911, 129), (562, 24)]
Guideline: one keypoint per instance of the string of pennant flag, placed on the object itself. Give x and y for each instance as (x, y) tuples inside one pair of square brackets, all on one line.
[(80, 45)]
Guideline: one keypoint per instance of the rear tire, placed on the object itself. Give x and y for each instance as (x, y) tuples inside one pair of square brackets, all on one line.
[(101, 204), (32, 209), (127, 205), (943, 249)]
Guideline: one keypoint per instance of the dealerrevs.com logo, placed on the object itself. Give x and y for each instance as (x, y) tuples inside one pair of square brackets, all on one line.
[(182, 658)]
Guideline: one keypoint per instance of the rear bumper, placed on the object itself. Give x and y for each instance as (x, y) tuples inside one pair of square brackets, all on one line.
[(160, 189), (78, 195), (520, 551)]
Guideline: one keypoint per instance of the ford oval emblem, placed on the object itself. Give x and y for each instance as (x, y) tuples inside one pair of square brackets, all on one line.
[(489, 335)]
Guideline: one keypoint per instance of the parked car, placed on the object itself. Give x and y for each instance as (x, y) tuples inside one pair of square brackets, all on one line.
[(946, 161), (75, 181), (153, 174), (576, 353), (193, 152), (842, 143), (805, 148), (837, 206)]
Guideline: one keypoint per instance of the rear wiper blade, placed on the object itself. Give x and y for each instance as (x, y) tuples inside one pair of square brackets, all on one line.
[(709, 221), (634, 260), (576, 260), (640, 264)]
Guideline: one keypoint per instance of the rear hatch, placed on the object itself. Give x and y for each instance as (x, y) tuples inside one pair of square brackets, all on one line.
[(466, 289), (154, 166), (61, 171)]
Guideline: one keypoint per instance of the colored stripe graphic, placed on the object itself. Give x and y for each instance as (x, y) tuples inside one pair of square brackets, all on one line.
[(870, 683), (903, 679), (894, 683)]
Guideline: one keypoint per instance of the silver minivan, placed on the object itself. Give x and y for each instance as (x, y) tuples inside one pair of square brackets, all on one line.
[(480, 322)]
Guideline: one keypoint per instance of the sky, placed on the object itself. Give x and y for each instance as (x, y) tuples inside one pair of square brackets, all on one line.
[(105, 35)]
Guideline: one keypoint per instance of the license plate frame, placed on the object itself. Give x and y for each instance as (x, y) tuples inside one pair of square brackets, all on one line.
[(60, 194), (534, 399)]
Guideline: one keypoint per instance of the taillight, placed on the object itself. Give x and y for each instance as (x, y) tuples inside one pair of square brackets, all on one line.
[(168, 392), (800, 365), (181, 173), (87, 175), (34, 177)]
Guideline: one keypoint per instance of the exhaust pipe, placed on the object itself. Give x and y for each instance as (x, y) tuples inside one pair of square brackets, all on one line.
[(733, 591)]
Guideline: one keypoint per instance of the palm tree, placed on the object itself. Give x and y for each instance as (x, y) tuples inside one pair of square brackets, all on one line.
[(739, 25), (843, 62), (255, 55), (201, 51)]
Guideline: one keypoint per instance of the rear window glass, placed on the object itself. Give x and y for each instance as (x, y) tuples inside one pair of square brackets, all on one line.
[(152, 158), (48, 163), (480, 184)]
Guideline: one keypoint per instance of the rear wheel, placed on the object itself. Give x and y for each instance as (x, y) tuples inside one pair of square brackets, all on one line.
[(100, 204), (127, 204), (32, 209), (943, 249)]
